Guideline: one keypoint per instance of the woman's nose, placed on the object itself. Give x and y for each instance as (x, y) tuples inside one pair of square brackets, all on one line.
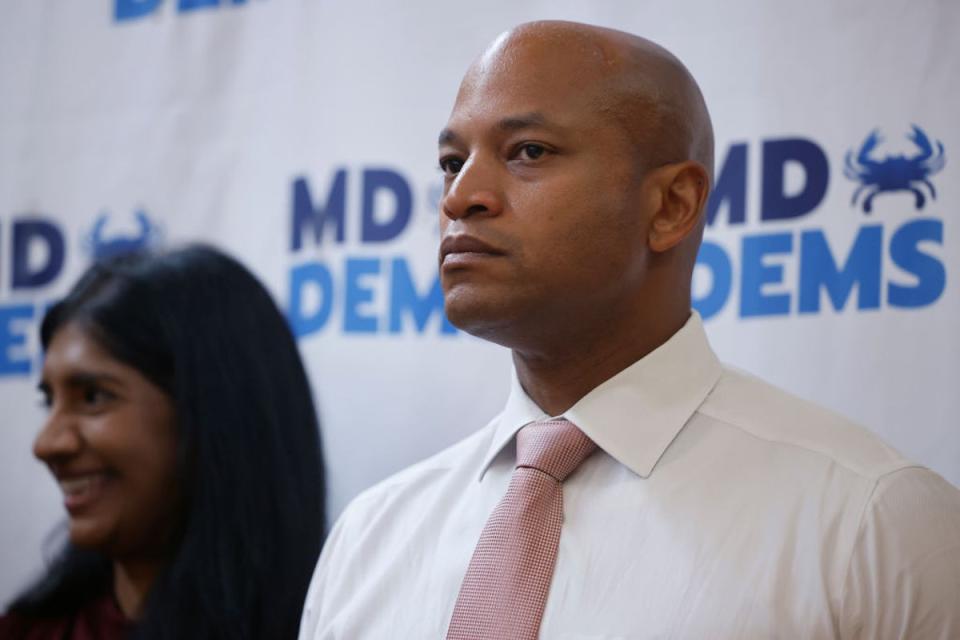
[(58, 439)]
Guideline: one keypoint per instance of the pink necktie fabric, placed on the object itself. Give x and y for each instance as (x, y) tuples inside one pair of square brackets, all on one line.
[(504, 592)]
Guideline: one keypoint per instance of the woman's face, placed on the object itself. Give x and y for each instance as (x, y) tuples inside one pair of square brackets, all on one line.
[(110, 442)]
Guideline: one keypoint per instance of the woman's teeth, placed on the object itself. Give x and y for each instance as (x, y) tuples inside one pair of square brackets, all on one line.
[(81, 484)]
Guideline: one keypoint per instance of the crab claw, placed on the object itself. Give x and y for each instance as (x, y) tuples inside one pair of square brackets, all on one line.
[(919, 138), (95, 236), (849, 168), (144, 223), (863, 157), (99, 226)]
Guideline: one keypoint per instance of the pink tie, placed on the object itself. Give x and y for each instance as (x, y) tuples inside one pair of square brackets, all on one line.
[(506, 586)]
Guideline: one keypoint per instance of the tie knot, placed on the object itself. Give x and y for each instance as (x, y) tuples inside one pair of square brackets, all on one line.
[(555, 447)]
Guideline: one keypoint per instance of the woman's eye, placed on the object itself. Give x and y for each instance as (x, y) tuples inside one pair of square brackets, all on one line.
[(95, 396), (532, 151), (451, 166)]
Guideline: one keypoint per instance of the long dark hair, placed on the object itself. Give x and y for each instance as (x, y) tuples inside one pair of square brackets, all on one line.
[(202, 328)]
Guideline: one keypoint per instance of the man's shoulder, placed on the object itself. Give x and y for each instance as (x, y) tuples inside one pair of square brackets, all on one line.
[(762, 410), (457, 463)]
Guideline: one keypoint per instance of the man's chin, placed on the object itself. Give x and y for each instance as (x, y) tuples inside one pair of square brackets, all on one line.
[(489, 318), (470, 310)]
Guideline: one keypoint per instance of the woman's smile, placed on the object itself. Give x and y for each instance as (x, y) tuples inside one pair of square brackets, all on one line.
[(82, 491)]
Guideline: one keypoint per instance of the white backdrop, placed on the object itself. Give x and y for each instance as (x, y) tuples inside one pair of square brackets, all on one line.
[(242, 123)]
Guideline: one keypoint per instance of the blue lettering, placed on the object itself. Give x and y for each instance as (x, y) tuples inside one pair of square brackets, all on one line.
[(25, 234), (131, 9), (906, 254), (776, 204), (404, 297), (818, 269), (384, 179), (11, 340), (714, 258), (753, 301), (731, 187), (189, 5), (306, 215), (316, 276), (357, 294)]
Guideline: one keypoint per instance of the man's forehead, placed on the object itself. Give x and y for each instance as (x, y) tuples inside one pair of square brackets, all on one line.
[(557, 39), (537, 64), (502, 111), (549, 68), (525, 92)]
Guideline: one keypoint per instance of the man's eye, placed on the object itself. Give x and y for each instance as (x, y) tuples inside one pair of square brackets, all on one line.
[(532, 151), (450, 165)]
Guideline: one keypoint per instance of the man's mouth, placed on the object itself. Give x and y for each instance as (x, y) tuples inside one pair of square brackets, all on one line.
[(461, 249)]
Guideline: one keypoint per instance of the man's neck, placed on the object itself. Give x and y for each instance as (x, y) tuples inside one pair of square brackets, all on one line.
[(556, 378)]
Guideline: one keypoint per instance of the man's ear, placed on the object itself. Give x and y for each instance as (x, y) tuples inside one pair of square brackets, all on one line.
[(683, 189)]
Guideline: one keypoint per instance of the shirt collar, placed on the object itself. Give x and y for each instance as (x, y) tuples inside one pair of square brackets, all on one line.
[(636, 414)]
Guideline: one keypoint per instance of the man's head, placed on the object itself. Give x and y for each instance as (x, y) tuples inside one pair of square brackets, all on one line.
[(577, 163)]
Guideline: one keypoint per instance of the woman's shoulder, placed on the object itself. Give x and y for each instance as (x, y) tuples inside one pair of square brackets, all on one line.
[(98, 619), (17, 626)]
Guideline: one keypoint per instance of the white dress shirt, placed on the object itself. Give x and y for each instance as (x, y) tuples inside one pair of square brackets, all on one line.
[(717, 507)]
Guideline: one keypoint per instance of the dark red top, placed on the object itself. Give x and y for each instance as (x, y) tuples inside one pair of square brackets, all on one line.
[(101, 619)]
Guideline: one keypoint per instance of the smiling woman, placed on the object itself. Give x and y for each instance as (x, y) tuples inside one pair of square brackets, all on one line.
[(182, 433), (116, 480)]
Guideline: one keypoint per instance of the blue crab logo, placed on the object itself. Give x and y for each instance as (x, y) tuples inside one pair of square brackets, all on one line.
[(100, 247), (894, 173)]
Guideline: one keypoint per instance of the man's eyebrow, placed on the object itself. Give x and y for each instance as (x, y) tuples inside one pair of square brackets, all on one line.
[(447, 136), (523, 121), (510, 123)]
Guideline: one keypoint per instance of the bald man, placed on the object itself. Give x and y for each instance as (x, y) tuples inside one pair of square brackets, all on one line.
[(632, 487)]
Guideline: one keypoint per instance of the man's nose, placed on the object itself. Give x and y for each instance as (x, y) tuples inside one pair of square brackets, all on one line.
[(59, 438), (475, 190)]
